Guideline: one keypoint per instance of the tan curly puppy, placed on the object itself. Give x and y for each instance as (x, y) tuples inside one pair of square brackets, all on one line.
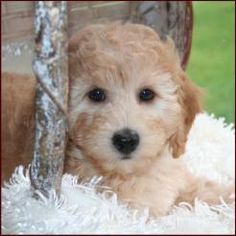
[(131, 108)]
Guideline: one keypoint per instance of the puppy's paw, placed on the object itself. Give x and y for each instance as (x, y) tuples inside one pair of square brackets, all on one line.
[(232, 197), (230, 194)]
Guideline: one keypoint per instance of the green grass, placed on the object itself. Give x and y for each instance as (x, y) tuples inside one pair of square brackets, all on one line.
[(211, 63)]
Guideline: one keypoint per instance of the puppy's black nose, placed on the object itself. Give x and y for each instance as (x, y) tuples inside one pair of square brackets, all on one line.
[(125, 141)]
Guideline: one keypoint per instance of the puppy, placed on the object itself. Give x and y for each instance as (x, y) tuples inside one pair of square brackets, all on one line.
[(131, 108)]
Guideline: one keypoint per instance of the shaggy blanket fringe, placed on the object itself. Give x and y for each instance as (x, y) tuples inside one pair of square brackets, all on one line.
[(80, 209)]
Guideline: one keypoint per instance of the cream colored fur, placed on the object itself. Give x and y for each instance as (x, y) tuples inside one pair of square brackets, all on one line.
[(122, 60)]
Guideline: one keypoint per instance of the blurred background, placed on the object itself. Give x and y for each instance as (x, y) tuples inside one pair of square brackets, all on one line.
[(211, 62)]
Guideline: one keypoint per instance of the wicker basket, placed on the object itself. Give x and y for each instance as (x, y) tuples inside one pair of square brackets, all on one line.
[(166, 17)]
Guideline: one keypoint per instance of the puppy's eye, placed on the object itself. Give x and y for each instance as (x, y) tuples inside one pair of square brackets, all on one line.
[(146, 95), (97, 95)]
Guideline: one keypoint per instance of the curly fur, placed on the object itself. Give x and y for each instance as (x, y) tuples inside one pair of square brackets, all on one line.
[(122, 59)]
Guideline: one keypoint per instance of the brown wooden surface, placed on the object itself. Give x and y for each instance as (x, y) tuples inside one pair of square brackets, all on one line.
[(18, 16)]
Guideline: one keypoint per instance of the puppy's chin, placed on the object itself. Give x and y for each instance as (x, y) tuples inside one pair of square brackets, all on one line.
[(121, 165)]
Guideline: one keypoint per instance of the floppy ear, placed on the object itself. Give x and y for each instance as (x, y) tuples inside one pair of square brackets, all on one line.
[(189, 99)]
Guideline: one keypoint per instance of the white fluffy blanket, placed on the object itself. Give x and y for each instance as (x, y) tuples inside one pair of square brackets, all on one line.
[(210, 152)]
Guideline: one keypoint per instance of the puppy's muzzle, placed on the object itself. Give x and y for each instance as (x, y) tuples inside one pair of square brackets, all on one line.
[(125, 141)]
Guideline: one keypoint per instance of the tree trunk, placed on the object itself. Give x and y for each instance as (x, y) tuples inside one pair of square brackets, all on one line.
[(51, 70)]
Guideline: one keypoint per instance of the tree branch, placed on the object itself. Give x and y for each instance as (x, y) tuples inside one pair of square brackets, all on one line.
[(51, 70)]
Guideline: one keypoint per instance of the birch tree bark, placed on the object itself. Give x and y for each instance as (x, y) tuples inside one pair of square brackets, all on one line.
[(51, 70)]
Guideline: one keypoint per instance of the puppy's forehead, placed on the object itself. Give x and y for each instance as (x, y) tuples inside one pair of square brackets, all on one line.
[(135, 72), (107, 53)]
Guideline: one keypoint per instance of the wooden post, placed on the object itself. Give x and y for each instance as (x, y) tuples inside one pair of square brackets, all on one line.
[(51, 70)]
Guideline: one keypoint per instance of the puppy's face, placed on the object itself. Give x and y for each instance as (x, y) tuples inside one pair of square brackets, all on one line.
[(127, 97)]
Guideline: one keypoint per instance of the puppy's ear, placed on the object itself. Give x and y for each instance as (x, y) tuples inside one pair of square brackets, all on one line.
[(189, 99)]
